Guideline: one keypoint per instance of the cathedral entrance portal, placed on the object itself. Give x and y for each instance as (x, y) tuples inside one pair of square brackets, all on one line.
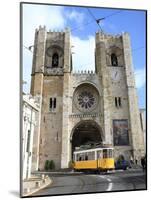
[(86, 132)]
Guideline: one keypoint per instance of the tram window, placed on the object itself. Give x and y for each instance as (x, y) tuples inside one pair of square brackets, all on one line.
[(81, 157), (78, 157), (75, 157), (110, 153), (104, 153), (86, 157), (99, 154), (91, 156)]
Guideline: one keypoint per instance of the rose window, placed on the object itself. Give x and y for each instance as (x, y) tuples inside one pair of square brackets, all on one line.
[(86, 98)]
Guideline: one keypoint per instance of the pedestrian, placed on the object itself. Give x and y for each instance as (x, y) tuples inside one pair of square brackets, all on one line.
[(131, 160), (143, 163)]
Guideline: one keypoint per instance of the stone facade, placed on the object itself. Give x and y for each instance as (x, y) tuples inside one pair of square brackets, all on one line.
[(82, 107)]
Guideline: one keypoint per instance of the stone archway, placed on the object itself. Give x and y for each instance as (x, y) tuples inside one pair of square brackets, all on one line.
[(87, 131)]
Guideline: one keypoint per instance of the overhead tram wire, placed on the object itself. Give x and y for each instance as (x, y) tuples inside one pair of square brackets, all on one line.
[(103, 18), (96, 20), (115, 13)]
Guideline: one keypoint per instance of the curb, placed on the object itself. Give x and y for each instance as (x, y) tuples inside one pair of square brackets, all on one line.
[(39, 188)]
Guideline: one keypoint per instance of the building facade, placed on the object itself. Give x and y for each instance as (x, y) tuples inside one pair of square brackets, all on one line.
[(143, 124), (30, 130), (79, 108)]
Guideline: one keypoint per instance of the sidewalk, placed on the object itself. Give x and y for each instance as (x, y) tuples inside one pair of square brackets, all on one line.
[(136, 166), (59, 172), (34, 184)]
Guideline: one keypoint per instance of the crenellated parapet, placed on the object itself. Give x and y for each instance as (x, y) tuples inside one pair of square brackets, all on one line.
[(52, 30), (105, 36)]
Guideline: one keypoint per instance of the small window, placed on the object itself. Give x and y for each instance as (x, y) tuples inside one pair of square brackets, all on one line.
[(55, 60), (141, 120), (28, 142), (118, 103), (114, 60), (52, 104)]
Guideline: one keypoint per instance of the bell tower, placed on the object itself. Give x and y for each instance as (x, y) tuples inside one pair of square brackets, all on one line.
[(50, 81), (120, 102)]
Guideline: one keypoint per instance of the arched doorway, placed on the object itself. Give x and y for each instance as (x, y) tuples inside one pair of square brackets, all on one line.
[(85, 132)]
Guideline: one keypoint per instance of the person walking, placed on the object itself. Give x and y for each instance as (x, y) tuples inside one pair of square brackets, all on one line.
[(143, 163)]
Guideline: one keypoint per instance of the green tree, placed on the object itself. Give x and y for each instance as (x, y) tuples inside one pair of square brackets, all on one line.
[(46, 165), (51, 164)]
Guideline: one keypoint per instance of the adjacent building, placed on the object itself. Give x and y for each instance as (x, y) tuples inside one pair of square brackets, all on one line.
[(29, 135)]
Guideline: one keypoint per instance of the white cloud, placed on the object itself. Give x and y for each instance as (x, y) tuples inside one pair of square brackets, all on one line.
[(35, 15), (83, 57), (140, 78), (77, 17)]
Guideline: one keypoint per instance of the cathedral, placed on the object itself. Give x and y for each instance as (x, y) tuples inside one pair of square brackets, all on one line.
[(84, 107)]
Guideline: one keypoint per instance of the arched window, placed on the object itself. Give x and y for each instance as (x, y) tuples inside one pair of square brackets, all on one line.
[(114, 61), (55, 60)]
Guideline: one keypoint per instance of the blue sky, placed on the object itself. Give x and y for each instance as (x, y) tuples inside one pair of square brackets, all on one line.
[(83, 28)]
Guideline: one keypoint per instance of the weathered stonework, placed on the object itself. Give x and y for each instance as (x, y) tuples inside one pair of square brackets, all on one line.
[(74, 116)]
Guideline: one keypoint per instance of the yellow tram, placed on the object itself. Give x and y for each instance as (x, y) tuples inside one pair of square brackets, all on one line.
[(94, 159)]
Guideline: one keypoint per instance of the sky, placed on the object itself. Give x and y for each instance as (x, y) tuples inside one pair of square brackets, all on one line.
[(83, 27)]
